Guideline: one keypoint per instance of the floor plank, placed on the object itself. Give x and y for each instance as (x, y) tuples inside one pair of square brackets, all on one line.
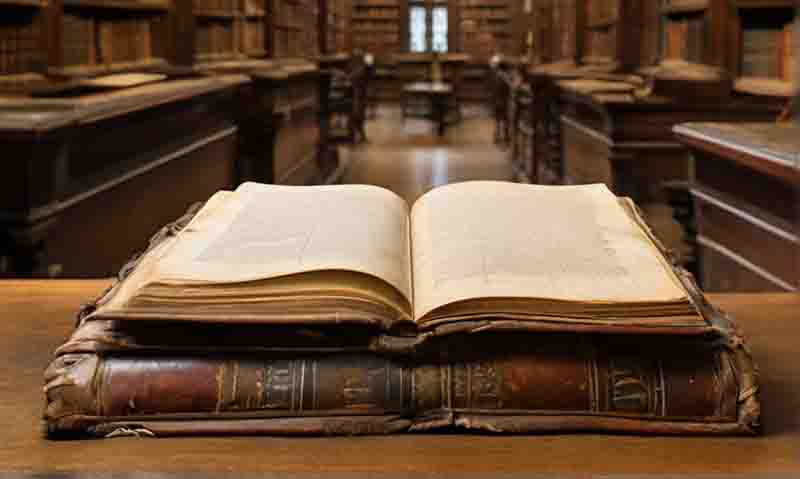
[(405, 155)]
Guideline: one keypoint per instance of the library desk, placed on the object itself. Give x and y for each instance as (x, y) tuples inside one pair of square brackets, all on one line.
[(746, 191), (611, 135), (38, 315), (90, 176), (438, 95)]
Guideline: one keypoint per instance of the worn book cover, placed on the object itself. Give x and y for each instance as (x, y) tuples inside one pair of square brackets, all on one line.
[(499, 306)]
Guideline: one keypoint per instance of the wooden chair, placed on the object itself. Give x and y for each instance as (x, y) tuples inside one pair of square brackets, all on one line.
[(361, 105), (345, 106)]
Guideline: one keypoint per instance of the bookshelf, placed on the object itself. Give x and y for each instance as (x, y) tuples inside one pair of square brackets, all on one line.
[(376, 27), (763, 37), (733, 46), (486, 27), (563, 37), (619, 34), (686, 26), (600, 40), (22, 29), (107, 36), (72, 39), (335, 21), (123, 5), (228, 30), (294, 28)]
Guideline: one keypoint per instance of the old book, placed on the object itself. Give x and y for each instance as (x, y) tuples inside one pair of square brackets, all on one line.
[(356, 254), (106, 51), (546, 383), (19, 43), (761, 48), (336, 310), (78, 39)]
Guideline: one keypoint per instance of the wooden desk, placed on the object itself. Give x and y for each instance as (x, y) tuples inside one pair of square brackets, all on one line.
[(746, 191), (80, 169), (412, 67), (38, 315), (439, 95), (610, 134)]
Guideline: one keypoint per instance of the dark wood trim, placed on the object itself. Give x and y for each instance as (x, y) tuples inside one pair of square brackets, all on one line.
[(182, 38), (580, 30), (763, 165), (630, 30), (453, 26), (719, 19), (53, 34), (403, 15), (322, 27)]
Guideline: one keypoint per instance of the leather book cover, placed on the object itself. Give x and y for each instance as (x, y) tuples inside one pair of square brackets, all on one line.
[(546, 383)]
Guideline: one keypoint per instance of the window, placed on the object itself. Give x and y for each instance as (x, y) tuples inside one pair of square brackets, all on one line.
[(427, 27), (418, 28), (439, 43)]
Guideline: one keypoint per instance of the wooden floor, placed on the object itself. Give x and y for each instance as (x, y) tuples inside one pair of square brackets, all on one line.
[(406, 156)]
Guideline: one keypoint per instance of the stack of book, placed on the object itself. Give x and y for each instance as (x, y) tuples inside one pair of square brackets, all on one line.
[(337, 310)]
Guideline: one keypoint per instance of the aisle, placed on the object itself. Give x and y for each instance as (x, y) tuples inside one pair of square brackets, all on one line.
[(407, 157)]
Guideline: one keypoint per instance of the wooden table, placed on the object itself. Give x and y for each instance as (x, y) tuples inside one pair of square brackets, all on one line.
[(38, 315), (438, 94)]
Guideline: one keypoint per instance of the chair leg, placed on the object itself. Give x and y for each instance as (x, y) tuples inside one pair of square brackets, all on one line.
[(362, 132)]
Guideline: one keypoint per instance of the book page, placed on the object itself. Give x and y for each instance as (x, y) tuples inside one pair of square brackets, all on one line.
[(148, 265), (502, 240), (267, 231)]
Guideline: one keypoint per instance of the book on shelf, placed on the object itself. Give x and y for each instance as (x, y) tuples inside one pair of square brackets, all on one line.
[(79, 40), (90, 41), (760, 52), (19, 43), (339, 309), (788, 53)]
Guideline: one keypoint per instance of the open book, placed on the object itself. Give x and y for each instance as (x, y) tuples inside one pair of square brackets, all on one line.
[(555, 257)]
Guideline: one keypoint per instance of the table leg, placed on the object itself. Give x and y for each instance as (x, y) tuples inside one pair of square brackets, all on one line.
[(439, 107)]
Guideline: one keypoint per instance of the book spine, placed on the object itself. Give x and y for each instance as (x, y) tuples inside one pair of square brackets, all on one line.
[(78, 40), (760, 53), (556, 387)]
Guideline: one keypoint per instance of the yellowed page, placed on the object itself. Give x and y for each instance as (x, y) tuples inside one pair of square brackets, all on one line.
[(267, 231), (502, 240), (146, 270)]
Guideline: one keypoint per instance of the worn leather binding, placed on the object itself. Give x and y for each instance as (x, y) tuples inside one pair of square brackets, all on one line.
[(116, 378), (553, 383)]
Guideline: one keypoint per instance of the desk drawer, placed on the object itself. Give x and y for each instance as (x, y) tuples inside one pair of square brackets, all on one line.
[(754, 239), (723, 272)]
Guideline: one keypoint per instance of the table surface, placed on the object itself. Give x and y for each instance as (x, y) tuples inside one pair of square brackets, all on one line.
[(38, 316), (771, 147), (429, 87)]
